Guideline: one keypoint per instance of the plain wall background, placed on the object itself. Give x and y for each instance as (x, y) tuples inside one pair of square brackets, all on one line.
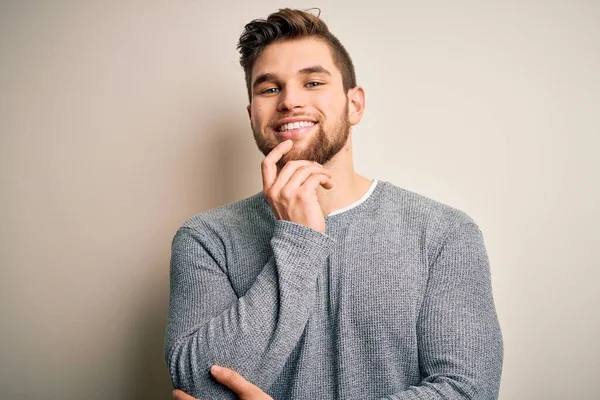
[(119, 120)]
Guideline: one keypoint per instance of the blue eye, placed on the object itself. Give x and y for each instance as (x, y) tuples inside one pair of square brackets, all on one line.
[(313, 84)]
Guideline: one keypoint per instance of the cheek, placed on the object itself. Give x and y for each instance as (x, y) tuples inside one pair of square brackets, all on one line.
[(332, 106), (258, 116), (333, 115)]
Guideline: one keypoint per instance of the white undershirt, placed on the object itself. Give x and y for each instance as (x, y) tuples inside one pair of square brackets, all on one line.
[(365, 196)]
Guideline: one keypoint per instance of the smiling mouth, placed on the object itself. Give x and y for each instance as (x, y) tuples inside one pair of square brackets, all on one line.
[(295, 130), (292, 126)]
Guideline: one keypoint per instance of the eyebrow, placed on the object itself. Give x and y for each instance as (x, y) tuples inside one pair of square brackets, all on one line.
[(317, 69), (268, 77)]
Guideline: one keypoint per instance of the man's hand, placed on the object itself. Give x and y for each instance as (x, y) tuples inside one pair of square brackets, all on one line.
[(292, 194), (234, 381)]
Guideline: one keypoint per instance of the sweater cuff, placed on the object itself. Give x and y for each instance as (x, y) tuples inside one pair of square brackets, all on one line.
[(300, 251)]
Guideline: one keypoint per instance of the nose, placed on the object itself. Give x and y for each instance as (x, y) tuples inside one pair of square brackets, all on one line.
[(290, 99)]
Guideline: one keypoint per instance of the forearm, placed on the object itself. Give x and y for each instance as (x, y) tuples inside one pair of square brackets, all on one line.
[(449, 388), (255, 333), (253, 336)]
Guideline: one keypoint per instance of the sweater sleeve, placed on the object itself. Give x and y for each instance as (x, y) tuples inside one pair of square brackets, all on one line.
[(208, 324), (459, 337)]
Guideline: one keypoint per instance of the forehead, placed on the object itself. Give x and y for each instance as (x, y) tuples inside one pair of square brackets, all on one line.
[(288, 57)]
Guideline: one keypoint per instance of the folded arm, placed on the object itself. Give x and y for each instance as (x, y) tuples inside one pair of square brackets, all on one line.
[(254, 334), (460, 343)]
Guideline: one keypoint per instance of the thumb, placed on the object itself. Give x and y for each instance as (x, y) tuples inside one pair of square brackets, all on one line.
[(180, 395)]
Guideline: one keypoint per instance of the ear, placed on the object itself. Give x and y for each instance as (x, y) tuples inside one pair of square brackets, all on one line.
[(356, 104), (249, 109)]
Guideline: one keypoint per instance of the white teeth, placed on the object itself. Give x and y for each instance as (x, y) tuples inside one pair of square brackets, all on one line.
[(295, 125)]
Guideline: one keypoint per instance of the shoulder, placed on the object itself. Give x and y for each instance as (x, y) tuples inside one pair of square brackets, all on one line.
[(234, 215), (429, 221), (422, 209), (213, 230)]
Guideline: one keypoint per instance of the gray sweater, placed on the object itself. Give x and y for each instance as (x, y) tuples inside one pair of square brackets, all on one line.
[(394, 302)]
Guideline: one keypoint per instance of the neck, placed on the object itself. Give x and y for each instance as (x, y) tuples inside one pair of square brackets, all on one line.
[(348, 186)]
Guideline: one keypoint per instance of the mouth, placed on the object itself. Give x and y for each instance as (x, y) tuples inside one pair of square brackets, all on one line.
[(294, 130)]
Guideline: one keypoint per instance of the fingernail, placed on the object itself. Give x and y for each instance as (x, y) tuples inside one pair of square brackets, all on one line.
[(216, 369)]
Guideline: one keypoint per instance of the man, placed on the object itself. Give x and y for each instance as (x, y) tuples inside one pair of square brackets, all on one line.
[(326, 284)]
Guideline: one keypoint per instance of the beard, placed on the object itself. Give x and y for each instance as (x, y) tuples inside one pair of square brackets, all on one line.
[(321, 147)]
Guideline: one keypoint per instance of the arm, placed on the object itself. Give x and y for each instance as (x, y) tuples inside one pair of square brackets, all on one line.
[(254, 334), (460, 343)]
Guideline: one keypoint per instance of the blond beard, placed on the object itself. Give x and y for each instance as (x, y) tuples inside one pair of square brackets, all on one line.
[(321, 147)]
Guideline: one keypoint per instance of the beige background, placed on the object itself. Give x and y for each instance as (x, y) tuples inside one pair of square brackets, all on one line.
[(118, 121)]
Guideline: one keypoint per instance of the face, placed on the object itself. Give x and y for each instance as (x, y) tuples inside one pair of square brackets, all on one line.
[(297, 93)]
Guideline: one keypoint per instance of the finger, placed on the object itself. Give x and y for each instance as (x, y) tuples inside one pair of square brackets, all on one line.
[(269, 163), (180, 395), (233, 381), (302, 174), (288, 171), (328, 184), (314, 181)]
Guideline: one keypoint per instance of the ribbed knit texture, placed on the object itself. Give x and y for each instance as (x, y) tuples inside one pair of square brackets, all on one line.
[(393, 302)]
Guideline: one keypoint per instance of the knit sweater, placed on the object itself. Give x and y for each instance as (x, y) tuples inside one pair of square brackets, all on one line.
[(393, 302)]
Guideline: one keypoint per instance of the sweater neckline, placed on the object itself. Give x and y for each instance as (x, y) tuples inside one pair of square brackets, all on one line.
[(359, 206), (367, 194)]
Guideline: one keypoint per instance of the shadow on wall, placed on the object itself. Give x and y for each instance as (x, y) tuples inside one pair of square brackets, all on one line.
[(234, 170), (149, 373), (226, 169)]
